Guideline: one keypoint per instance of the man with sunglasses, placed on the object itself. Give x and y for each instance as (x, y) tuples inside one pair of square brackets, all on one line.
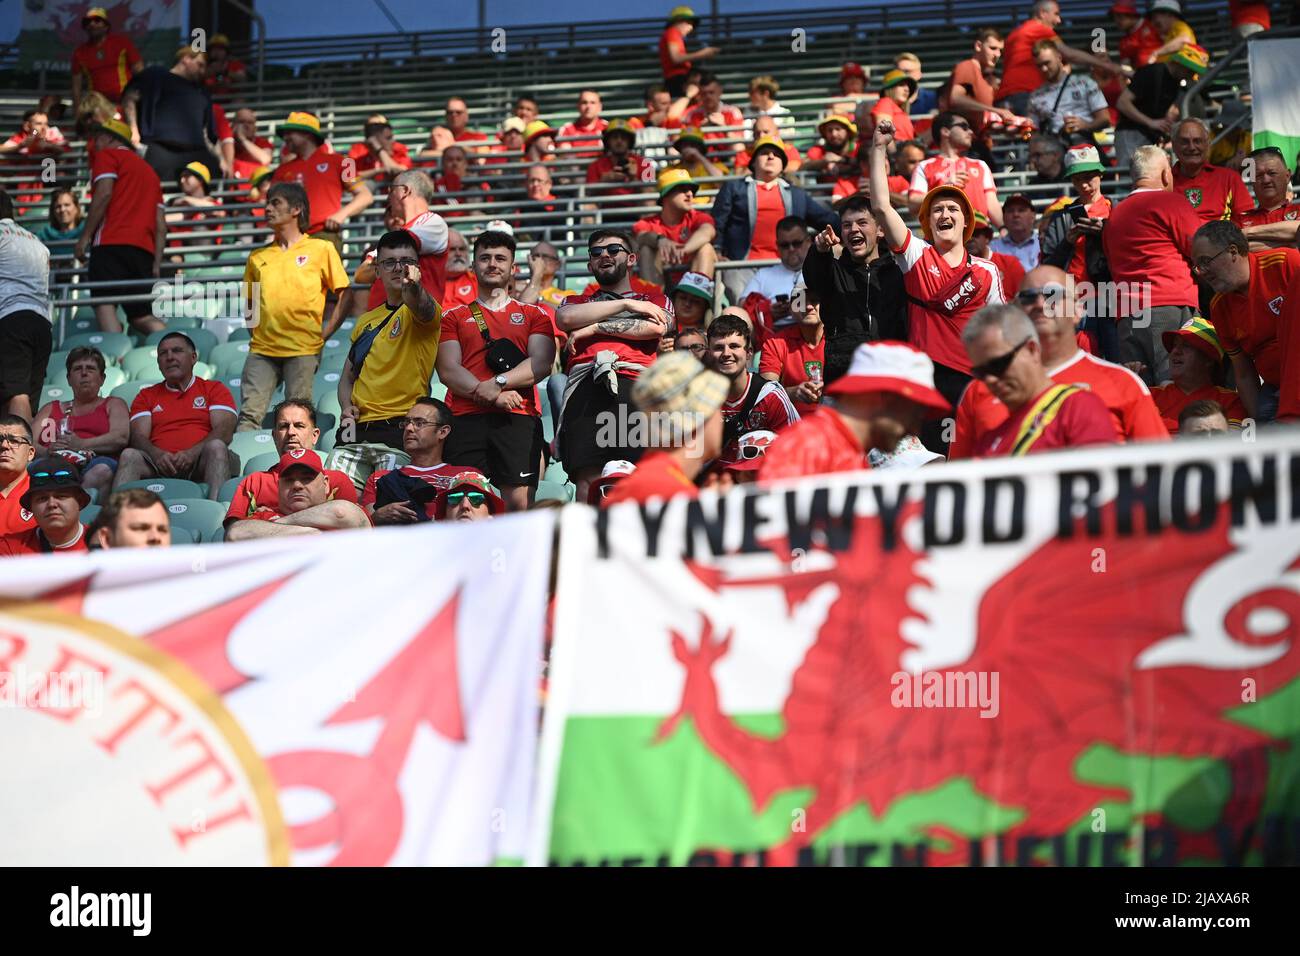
[(55, 498), (469, 498), (677, 239), (953, 137), (302, 504), (613, 337), (1050, 299), (424, 435), (16, 453), (1274, 221), (1007, 359)]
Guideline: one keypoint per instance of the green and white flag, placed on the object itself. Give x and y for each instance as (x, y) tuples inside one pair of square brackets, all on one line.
[(1274, 79)]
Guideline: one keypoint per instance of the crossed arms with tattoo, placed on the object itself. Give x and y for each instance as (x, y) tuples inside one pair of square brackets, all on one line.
[(632, 319)]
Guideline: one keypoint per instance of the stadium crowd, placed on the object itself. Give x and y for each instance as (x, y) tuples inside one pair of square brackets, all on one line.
[(1000, 326)]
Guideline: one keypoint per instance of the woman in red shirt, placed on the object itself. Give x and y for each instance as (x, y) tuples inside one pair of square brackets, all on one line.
[(89, 431)]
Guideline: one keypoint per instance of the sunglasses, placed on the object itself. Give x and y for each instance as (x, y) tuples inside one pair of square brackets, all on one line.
[(61, 473), (476, 498), (613, 250), (960, 125), (1030, 296), (997, 367), (798, 243), (750, 452)]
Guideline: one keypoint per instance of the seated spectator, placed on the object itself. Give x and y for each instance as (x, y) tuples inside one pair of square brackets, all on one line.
[(923, 102), (896, 91), (1047, 160), (543, 266), (753, 402), (885, 396), (224, 71), (379, 154), (657, 102), (621, 171), (408, 494), (16, 452), (469, 498), (541, 200), (131, 518), (611, 475), (692, 299), (451, 180), (762, 102), (89, 431), (539, 142), (767, 296), (251, 151), (584, 135), (25, 332), (55, 498), (509, 147), (1275, 219), (1203, 419), (795, 357), (690, 340), (1196, 364), (1148, 108), (832, 157), (679, 237), (684, 400), (1177, 34), (525, 108), (1214, 192), (294, 429), (455, 130), (181, 427), (1021, 239), (852, 89), (491, 355), (744, 470), (105, 62), (66, 220), (36, 138), (195, 182), (1067, 105), (1002, 345), (302, 504), (711, 112), (953, 137), (690, 146), (765, 126), (978, 245)]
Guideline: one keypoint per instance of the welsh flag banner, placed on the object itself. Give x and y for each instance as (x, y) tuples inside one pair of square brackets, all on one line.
[(1274, 79), (1077, 659), (51, 30), (348, 699)]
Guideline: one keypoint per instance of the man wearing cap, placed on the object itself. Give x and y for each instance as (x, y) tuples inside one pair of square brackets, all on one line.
[(131, 518), (302, 504), (1021, 240), (584, 133), (324, 174), (610, 475), (853, 88), (1067, 104), (170, 112), (509, 147), (679, 237), (1148, 108), (1167, 17), (55, 499), (1019, 75), (674, 59), (125, 224), (1054, 308), (456, 130), (470, 497), (539, 141), (692, 299), (1006, 358), (394, 496), (945, 285), (379, 154), (181, 427), (831, 158), (16, 452), (896, 89), (979, 245), (251, 151), (1275, 219), (1139, 38), (953, 167), (1214, 192), (1251, 310), (1195, 362), (887, 394), (195, 181), (105, 63), (795, 357), (294, 429), (1148, 246), (695, 162), (223, 69), (620, 171)]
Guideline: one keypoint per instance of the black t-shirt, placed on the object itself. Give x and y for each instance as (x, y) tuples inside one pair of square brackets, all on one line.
[(1154, 90), (172, 110)]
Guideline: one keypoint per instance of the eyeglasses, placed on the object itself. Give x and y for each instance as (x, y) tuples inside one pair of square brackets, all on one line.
[(798, 243), (997, 367), (392, 265), (422, 423), (1049, 292), (697, 348), (1201, 266), (476, 498), (547, 256), (613, 250), (13, 440)]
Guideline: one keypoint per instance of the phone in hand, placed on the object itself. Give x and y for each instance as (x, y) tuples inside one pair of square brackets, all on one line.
[(1077, 210)]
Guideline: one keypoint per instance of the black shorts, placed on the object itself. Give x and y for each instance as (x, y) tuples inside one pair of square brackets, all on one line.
[(504, 446), (596, 424), (25, 342), (117, 264), (676, 85)]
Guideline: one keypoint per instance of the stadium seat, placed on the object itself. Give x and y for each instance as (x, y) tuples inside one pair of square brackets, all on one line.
[(555, 472), (438, 390), (55, 393), (113, 377), (113, 344), (332, 359), (250, 444), (554, 491), (169, 489), (325, 421), (184, 323), (228, 357), (260, 462), (197, 514), (142, 360), (56, 369), (88, 514), (240, 334), (228, 488), (182, 535), (204, 340), (127, 391), (215, 536)]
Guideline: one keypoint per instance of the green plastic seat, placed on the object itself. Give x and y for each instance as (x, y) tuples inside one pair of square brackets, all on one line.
[(228, 489), (260, 462), (240, 334), (88, 514), (181, 535), (56, 393), (250, 444), (127, 391), (141, 360), (197, 514), (554, 491), (113, 377), (56, 369), (114, 345), (229, 357), (332, 360), (169, 489)]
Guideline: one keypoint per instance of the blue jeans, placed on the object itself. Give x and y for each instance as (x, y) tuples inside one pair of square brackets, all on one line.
[(1266, 403)]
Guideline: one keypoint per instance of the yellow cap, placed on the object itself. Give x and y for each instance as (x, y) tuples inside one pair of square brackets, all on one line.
[(93, 13), (115, 128), (535, 129), (303, 122), (840, 118), (198, 169), (674, 178), (219, 39), (770, 142)]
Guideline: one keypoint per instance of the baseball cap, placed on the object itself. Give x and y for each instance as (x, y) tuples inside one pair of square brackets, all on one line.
[(115, 128), (674, 178), (1020, 198), (535, 129), (613, 472), (853, 69), (95, 13), (619, 126), (1083, 158), (696, 284), (1199, 334), (259, 174), (50, 473), (470, 481), (499, 225), (769, 142), (892, 367), (303, 122), (1195, 58), (512, 124), (753, 446), (1166, 6), (947, 191), (893, 78), (199, 170), (302, 457), (679, 384), (1124, 7)]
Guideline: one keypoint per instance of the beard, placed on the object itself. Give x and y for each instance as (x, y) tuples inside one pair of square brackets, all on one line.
[(611, 277)]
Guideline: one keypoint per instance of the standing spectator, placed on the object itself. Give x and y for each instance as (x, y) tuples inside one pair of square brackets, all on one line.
[(126, 225), (765, 126), (105, 63), (923, 102), (1148, 245), (1047, 160), (409, 199), (400, 496), (859, 288), (293, 276), (1195, 362), (1139, 39), (1042, 415), (461, 287), (391, 360), (170, 113), (16, 452), (831, 158), (492, 354), (181, 427), (1249, 309), (795, 357), (1148, 109), (379, 154), (294, 429), (953, 137), (981, 239), (678, 238), (618, 167), (1274, 220), (455, 130), (88, 430), (1019, 75), (896, 90), (1212, 191), (302, 504), (613, 336), (1021, 239), (753, 402), (66, 222), (969, 91), (324, 174), (55, 499), (589, 124), (884, 398), (852, 89), (224, 71), (25, 333), (767, 296), (747, 210), (711, 111), (674, 58), (762, 102), (1167, 18), (944, 284), (251, 151), (131, 518), (1068, 105)]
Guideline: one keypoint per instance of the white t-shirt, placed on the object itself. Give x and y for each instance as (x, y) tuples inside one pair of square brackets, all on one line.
[(772, 281), (24, 271)]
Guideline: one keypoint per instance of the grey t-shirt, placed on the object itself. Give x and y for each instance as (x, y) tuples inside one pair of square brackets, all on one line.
[(24, 271)]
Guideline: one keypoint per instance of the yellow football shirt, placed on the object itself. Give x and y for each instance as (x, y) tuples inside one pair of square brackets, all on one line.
[(399, 364), (291, 288)]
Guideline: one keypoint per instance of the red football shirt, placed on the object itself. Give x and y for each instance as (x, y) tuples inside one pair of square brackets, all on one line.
[(672, 39), (131, 219), (1148, 244), (1214, 192), (1250, 323), (886, 108), (180, 417), (430, 231), (940, 170), (819, 444), (1242, 12), (696, 116), (439, 476), (260, 492), (645, 174), (322, 175), (678, 233), (107, 66), (594, 130), (638, 352), (1140, 46), (246, 165), (1058, 417), (1287, 212), (366, 160), (1019, 74), (951, 297), (1171, 400), (1009, 268), (516, 322), (772, 412), (13, 516), (788, 354), (32, 541), (656, 476)]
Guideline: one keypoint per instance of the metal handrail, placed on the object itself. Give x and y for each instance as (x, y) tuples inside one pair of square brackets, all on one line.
[(1212, 73)]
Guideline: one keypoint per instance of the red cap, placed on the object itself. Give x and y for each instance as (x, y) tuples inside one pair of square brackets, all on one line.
[(853, 69), (1124, 7), (303, 457)]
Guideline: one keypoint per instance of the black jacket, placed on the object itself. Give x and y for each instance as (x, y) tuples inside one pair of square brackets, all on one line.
[(858, 303)]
